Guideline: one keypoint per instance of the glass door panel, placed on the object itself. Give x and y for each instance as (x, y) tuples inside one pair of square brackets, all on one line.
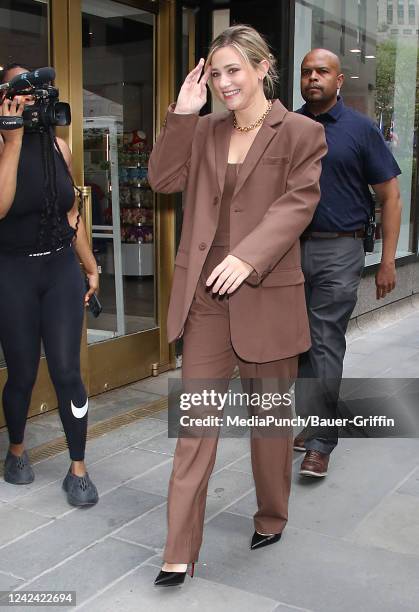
[(377, 45), (118, 103)]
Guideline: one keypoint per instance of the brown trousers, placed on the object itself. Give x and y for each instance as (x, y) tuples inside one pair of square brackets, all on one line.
[(208, 354)]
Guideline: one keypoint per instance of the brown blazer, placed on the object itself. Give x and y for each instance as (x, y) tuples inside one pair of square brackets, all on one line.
[(276, 193)]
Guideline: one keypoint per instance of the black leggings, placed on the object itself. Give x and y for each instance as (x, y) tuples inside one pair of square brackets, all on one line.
[(41, 298)]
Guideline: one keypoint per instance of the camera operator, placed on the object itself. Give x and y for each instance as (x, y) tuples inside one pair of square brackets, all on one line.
[(42, 289)]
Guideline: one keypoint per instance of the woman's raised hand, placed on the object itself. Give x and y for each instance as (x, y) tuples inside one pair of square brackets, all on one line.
[(193, 93)]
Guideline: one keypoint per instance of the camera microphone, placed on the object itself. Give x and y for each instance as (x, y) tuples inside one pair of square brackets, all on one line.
[(29, 79)]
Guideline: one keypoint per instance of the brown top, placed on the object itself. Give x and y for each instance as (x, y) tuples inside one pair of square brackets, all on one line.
[(221, 243), (222, 235)]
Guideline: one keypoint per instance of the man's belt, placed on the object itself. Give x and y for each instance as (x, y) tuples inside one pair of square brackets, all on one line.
[(359, 233)]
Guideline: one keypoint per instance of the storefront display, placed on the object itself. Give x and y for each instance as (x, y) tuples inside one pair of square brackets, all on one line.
[(136, 200)]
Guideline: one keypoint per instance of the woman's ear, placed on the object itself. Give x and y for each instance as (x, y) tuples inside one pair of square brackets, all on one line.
[(262, 69)]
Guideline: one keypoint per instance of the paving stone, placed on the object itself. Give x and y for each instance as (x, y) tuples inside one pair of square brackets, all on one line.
[(243, 464), (75, 531), (411, 486), (54, 469), (309, 570), (113, 408), (123, 466), (196, 594), (384, 339), (16, 522), (359, 372), (50, 501), (285, 608), (110, 472), (46, 472), (50, 419), (161, 415), (149, 530), (393, 357), (393, 525), (102, 569), (159, 384), (34, 436), (156, 481), (224, 486), (373, 387), (335, 505), (120, 438), (227, 451), (7, 582), (160, 444), (121, 394)]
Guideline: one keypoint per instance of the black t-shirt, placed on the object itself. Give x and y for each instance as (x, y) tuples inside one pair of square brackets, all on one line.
[(20, 228)]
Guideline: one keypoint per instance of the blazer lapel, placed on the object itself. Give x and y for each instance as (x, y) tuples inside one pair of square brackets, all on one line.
[(260, 143), (222, 135)]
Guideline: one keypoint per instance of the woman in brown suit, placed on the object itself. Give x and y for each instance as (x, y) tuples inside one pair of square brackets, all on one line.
[(250, 177)]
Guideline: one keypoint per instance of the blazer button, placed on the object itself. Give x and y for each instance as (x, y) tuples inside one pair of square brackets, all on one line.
[(215, 202), (202, 246)]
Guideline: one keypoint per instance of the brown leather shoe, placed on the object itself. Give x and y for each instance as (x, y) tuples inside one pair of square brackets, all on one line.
[(299, 443), (314, 464)]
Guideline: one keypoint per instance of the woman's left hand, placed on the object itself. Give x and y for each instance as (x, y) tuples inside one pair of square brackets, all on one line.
[(93, 278), (229, 275)]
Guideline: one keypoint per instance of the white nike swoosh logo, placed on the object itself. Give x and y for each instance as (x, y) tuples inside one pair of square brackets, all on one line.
[(79, 412)]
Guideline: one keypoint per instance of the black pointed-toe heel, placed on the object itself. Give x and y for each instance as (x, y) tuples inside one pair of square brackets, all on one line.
[(259, 540), (173, 578)]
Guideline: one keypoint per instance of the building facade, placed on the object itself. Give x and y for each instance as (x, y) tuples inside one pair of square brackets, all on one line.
[(120, 63)]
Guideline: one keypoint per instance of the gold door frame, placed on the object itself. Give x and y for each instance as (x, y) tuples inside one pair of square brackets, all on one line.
[(119, 361)]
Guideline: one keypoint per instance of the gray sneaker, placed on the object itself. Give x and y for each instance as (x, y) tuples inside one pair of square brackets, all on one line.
[(80, 490), (18, 470)]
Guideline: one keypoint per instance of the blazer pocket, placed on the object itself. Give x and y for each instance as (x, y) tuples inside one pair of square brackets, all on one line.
[(283, 278), (182, 259), (270, 159)]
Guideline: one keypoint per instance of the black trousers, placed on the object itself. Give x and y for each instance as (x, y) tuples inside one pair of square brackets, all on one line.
[(42, 299)]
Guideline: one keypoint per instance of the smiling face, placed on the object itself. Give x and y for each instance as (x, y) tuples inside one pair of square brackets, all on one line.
[(320, 76), (235, 82)]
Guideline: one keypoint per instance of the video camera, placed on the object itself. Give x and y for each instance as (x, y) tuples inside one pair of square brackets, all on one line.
[(46, 111)]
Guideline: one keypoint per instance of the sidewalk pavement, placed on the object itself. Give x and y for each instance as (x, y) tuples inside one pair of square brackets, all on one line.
[(352, 541)]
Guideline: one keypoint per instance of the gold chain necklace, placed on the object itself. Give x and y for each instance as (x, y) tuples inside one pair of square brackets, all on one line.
[(257, 123)]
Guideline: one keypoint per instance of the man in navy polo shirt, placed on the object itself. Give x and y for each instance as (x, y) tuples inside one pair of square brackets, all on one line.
[(332, 247)]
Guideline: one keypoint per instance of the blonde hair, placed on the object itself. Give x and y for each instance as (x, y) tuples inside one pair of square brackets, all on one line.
[(252, 47)]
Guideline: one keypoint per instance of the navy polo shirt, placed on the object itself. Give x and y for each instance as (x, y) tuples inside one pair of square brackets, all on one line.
[(357, 156)]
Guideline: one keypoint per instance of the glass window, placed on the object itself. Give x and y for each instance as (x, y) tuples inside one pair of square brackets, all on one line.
[(118, 82), (23, 38), (24, 33), (380, 82), (412, 12), (389, 12), (400, 12)]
